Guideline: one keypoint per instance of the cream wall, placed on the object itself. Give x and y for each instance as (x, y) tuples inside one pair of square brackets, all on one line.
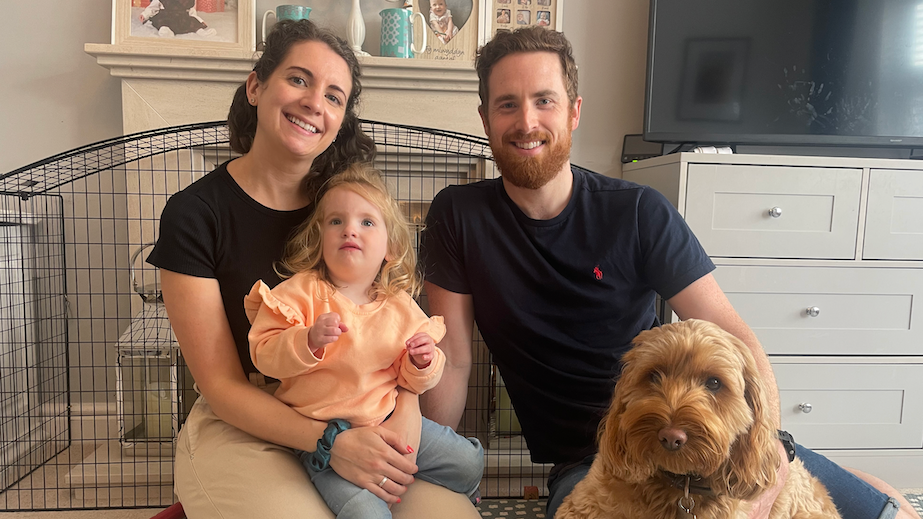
[(55, 97), (610, 46)]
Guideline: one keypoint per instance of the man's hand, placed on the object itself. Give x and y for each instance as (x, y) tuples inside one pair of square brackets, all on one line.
[(763, 505)]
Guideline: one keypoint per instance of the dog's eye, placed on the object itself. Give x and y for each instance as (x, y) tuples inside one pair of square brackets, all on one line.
[(713, 384)]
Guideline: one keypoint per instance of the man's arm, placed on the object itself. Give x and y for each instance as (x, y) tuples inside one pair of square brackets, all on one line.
[(705, 300), (445, 403)]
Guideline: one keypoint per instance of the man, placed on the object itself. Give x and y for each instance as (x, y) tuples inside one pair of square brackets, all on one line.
[(560, 266)]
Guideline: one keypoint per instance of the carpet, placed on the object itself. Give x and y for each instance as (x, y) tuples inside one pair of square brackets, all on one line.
[(513, 508), (917, 501), (535, 509)]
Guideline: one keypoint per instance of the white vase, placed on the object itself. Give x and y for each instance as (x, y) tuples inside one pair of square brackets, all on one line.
[(355, 29)]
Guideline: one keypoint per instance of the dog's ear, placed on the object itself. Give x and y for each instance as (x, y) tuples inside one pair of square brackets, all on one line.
[(615, 454), (613, 445), (754, 456)]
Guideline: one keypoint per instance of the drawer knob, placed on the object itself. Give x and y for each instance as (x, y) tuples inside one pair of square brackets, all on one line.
[(812, 311), (775, 212), (805, 407)]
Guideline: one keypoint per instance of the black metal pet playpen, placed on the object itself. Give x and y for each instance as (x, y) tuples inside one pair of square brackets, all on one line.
[(93, 388)]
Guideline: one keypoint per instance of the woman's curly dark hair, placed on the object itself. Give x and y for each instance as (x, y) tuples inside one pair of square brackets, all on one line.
[(351, 144)]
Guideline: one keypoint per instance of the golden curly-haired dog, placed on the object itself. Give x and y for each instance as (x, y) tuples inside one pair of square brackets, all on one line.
[(690, 411)]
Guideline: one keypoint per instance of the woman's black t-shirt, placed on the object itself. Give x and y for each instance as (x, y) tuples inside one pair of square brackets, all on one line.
[(213, 229)]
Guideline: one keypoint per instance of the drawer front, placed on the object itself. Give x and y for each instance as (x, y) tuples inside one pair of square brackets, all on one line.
[(860, 311), (852, 406), (729, 209), (894, 223)]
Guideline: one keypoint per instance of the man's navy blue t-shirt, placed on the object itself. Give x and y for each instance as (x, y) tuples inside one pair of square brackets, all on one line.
[(558, 301)]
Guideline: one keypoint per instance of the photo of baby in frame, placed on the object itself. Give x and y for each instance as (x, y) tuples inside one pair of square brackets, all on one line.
[(182, 20), (219, 25), (503, 16), (445, 17), (523, 17), (440, 21), (543, 18), (451, 27)]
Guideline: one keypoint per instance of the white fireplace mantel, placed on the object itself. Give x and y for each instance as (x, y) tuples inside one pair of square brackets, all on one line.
[(163, 88)]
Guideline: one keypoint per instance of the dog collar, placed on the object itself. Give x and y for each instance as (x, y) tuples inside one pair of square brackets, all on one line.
[(788, 442), (695, 483)]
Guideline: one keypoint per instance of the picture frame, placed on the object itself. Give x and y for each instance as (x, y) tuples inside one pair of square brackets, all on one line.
[(711, 88), (507, 15), (211, 24), (461, 44)]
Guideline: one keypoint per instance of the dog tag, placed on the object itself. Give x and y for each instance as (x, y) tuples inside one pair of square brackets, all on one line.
[(686, 503)]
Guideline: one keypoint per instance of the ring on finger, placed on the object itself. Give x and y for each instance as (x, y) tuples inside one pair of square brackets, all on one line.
[(384, 480)]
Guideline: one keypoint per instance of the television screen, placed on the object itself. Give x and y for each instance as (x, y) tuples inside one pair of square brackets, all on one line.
[(786, 72)]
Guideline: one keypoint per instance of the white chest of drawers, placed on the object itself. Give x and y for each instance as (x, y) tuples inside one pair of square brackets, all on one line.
[(823, 258)]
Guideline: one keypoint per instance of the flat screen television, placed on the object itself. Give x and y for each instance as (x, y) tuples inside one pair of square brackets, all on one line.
[(786, 72)]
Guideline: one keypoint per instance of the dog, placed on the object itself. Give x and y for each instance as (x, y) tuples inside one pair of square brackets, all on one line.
[(689, 435)]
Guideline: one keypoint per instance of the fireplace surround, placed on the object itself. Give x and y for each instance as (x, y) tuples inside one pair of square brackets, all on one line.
[(184, 86)]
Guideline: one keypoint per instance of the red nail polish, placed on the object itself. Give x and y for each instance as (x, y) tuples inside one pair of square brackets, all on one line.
[(410, 449), (398, 500)]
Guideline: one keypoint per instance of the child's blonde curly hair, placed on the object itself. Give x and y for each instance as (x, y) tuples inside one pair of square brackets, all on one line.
[(399, 269)]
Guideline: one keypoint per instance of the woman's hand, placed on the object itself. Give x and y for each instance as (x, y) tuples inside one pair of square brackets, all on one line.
[(389, 450), (366, 455)]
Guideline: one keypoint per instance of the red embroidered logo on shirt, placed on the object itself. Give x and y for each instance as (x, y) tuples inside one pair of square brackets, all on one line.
[(598, 273)]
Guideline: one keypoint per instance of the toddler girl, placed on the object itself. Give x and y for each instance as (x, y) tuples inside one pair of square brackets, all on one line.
[(343, 333)]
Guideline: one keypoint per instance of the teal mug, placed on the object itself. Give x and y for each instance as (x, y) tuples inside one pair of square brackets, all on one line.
[(397, 33), (286, 12)]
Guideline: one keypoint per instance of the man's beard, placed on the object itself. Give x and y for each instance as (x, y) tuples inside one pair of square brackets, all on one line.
[(531, 172)]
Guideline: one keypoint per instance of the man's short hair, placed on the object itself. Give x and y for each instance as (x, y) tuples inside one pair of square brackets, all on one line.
[(526, 39)]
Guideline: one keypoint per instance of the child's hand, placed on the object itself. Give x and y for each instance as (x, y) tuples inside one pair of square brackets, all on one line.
[(327, 328), (420, 347)]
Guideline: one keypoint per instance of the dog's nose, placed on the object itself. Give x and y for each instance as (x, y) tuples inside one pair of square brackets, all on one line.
[(672, 439)]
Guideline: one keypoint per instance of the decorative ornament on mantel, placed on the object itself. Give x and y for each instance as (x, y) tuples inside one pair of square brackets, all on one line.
[(355, 29)]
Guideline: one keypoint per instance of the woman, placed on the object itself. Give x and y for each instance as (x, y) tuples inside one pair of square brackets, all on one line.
[(294, 121)]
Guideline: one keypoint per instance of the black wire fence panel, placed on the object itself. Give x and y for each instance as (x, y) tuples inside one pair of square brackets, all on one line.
[(93, 387)]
